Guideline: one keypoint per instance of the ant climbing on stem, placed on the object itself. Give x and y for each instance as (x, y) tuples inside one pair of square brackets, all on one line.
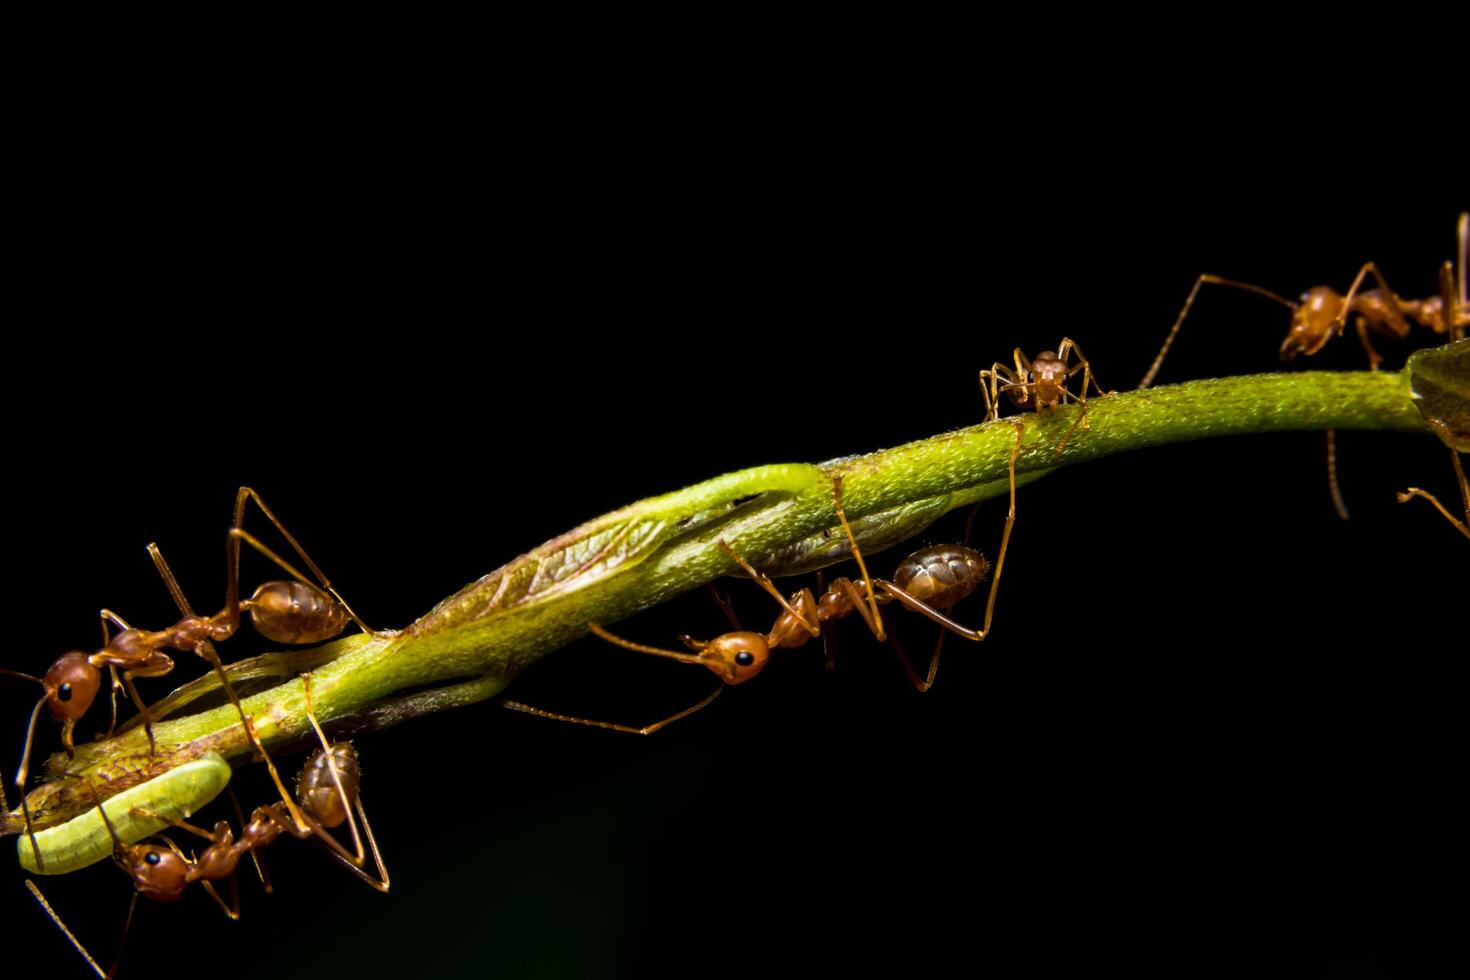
[(1321, 313), (285, 611), (1040, 384), (928, 582), (327, 791)]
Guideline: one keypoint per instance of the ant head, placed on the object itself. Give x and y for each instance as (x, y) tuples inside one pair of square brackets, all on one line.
[(1313, 323), (71, 685), (1048, 369), (157, 872), (1432, 313), (737, 657)]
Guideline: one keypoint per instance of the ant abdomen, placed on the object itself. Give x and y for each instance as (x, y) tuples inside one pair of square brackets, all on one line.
[(943, 574), (294, 612), (317, 791)]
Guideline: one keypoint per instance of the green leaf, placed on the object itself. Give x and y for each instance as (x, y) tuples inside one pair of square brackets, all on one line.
[(1439, 377)]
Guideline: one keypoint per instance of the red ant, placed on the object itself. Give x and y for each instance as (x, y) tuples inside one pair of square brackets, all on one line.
[(327, 791), (1039, 384), (1322, 313), (928, 582), (284, 611)]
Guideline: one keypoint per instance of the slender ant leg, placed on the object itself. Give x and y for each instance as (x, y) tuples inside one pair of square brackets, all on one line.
[(1412, 492), (106, 616), (76, 943), (807, 618), (1153, 371), (614, 726)]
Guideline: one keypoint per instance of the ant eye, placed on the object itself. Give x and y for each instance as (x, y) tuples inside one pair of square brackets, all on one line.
[(152, 857), (1030, 376), (745, 658), (64, 692)]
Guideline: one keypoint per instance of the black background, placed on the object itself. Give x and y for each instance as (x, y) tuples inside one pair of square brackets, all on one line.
[(1214, 730)]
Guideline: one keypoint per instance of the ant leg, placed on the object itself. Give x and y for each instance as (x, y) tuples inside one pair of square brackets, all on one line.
[(1153, 370), (997, 372), (233, 909), (206, 652), (724, 603), (872, 616), (1066, 347), (255, 858), (76, 943), (247, 494), (351, 862), (1395, 325), (184, 825), (829, 639), (924, 609), (22, 775), (1412, 492), (157, 665), (1338, 503), (813, 626), (1081, 420), (381, 883), (1455, 288), (232, 912), (1374, 358), (859, 602), (106, 616), (613, 726), (1083, 364), (1455, 311), (921, 684), (1463, 234)]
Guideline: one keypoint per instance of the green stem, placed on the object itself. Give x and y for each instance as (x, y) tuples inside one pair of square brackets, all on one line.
[(472, 644)]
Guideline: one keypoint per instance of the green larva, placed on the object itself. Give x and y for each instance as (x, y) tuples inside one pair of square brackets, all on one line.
[(84, 840)]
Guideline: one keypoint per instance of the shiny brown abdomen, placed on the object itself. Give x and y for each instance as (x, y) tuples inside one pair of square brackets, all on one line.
[(942, 575), (317, 793), (294, 612)]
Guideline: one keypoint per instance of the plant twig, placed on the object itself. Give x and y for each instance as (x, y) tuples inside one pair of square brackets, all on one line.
[(472, 644)]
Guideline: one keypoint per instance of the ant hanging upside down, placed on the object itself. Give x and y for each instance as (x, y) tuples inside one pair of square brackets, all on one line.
[(928, 582)]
